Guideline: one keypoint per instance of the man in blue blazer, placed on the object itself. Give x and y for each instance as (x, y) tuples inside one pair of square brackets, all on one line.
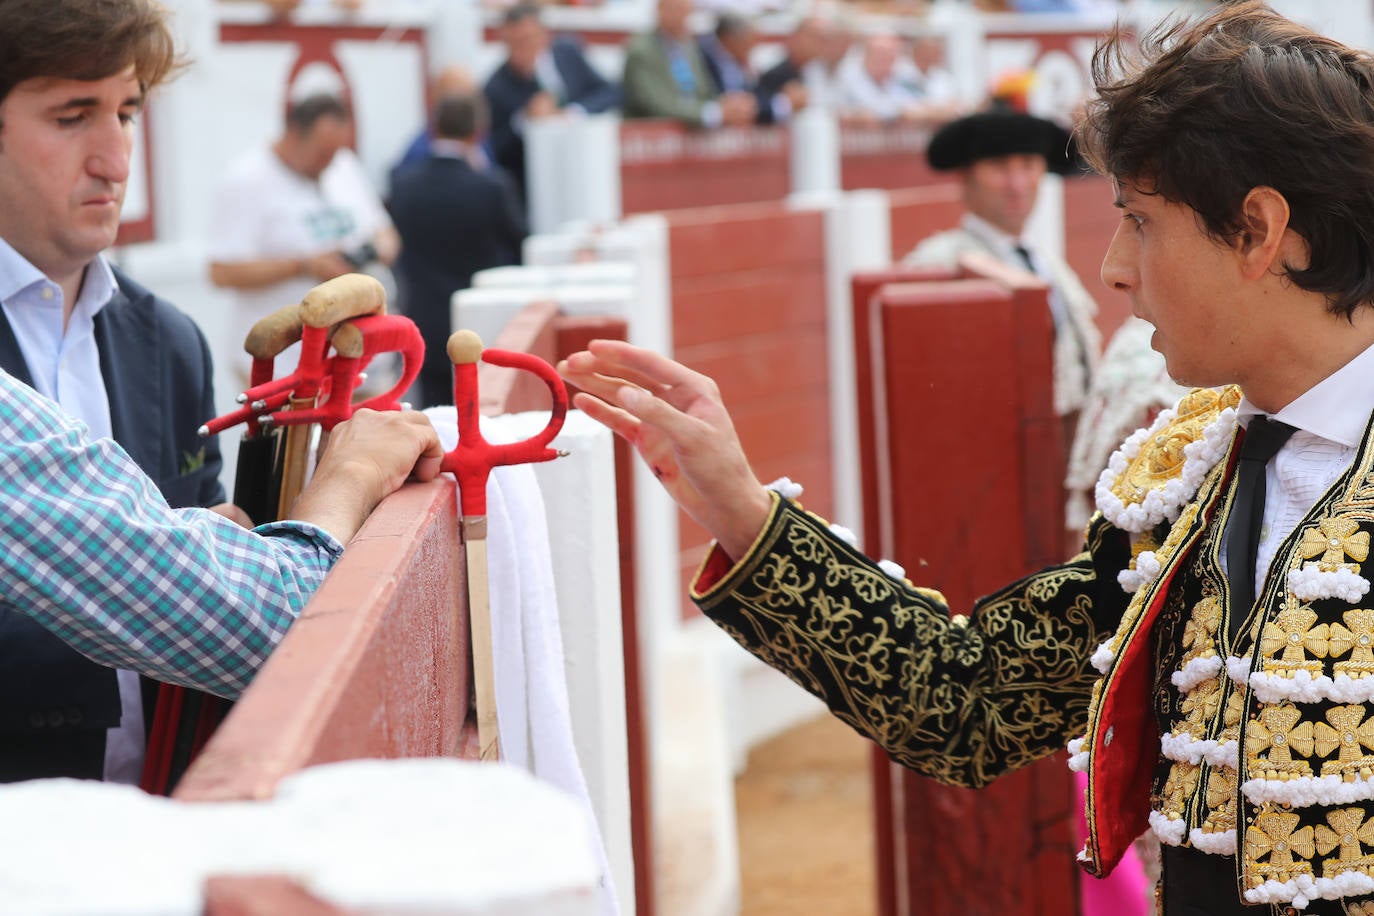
[(109, 352), (726, 52), (454, 221), (540, 77)]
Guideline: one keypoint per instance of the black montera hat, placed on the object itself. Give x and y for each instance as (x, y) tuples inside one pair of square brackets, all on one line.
[(998, 132)]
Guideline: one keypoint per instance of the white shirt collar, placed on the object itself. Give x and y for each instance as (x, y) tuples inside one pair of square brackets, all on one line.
[(17, 275), (448, 148), (1336, 408), (1003, 244)]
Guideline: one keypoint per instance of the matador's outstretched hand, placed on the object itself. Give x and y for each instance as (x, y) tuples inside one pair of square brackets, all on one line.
[(675, 419)]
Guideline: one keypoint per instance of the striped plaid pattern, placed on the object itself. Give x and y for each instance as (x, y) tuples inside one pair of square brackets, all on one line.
[(89, 548)]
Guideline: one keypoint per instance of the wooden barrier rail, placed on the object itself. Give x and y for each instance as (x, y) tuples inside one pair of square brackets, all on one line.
[(378, 663)]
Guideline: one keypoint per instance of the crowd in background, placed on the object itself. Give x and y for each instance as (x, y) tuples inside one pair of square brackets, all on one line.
[(303, 210), (282, 7)]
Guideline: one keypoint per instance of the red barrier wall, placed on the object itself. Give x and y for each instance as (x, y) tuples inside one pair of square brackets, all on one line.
[(748, 292), (376, 666), (973, 459), (920, 212), (885, 157), (665, 166)]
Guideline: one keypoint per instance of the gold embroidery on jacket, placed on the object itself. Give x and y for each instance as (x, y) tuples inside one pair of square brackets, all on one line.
[(1199, 634), (1011, 683), (1272, 739), (1356, 638), (1275, 836), (1349, 732), (1200, 707), (1293, 634), (1221, 801), (1179, 788), (1161, 459), (1349, 830), (1333, 540)]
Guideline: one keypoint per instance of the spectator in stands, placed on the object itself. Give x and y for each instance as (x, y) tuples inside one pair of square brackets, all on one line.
[(666, 77), (539, 78), (924, 70), (727, 51), (296, 213), (111, 354), (870, 89), (821, 75), (1000, 157), (785, 77), (453, 79), (453, 221)]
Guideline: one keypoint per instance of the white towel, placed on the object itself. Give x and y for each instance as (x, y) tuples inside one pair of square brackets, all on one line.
[(527, 645)]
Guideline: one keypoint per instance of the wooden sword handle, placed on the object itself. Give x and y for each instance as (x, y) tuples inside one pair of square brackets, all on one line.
[(348, 296)]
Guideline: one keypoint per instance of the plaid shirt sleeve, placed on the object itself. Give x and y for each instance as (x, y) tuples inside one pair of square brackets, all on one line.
[(92, 552)]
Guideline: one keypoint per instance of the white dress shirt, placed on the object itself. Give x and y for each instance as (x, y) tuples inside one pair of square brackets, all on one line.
[(65, 365), (1330, 419)]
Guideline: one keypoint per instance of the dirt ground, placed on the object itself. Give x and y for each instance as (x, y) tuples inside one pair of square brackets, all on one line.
[(804, 807)]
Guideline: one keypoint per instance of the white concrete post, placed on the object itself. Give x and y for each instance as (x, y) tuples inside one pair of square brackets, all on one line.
[(590, 273), (641, 240), (857, 237), (1046, 222), (591, 173), (486, 310), (572, 170), (965, 45), (456, 35), (815, 134), (546, 145)]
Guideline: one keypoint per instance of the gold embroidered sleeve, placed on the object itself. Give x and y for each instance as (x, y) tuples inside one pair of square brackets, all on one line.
[(958, 699)]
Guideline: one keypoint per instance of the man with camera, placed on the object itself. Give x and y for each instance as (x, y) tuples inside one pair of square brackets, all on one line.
[(295, 214)]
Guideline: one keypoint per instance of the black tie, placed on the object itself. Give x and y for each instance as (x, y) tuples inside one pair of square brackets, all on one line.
[(1263, 439), (1024, 254)]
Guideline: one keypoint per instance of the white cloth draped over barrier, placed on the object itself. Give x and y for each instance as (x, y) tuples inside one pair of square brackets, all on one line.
[(532, 706)]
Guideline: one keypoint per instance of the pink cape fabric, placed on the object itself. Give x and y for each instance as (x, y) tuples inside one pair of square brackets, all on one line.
[(1125, 892)]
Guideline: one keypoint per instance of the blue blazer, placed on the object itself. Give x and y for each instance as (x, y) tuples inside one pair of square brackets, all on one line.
[(453, 222), (508, 92), (712, 54), (55, 704)]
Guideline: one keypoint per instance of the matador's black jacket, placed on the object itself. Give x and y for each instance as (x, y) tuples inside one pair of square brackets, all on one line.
[(1258, 747)]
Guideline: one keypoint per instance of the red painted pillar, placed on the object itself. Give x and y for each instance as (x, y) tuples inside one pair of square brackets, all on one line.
[(963, 466)]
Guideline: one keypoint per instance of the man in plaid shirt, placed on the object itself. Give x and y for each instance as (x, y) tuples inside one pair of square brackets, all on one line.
[(93, 552)]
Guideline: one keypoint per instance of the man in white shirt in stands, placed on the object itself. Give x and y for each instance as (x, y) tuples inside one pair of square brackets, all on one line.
[(295, 214), (872, 86)]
